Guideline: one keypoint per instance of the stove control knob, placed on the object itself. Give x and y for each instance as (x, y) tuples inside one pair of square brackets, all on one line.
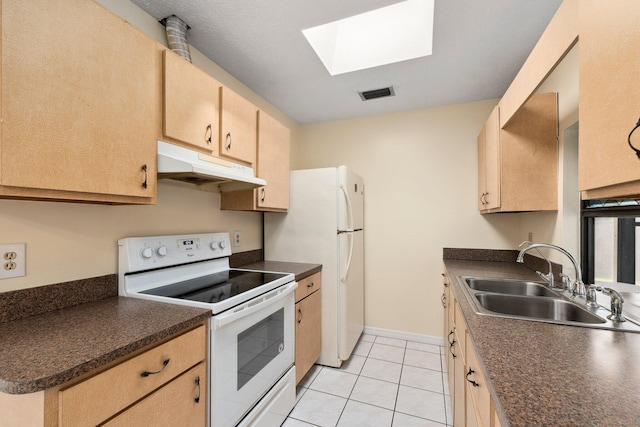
[(147, 253), (213, 246), (162, 251), (221, 244)]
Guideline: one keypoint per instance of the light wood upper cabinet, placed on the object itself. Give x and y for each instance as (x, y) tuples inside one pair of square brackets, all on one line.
[(237, 127), (526, 158), (489, 163), (272, 165), (191, 104), (80, 98), (609, 99)]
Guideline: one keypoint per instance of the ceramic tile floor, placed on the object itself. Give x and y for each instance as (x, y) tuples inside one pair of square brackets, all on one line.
[(387, 382)]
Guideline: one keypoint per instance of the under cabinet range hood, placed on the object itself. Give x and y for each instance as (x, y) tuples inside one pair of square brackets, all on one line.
[(208, 172)]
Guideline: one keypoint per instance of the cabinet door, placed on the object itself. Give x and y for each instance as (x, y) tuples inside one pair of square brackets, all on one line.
[(609, 98), (489, 191), (182, 402), (191, 104), (85, 403), (80, 92), (307, 333), (237, 127), (479, 400), (273, 163)]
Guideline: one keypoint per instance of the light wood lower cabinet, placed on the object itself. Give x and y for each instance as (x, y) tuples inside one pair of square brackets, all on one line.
[(471, 400), (165, 385), (308, 316), (179, 403)]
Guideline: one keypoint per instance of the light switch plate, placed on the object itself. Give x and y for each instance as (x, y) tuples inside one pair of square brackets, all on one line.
[(13, 260)]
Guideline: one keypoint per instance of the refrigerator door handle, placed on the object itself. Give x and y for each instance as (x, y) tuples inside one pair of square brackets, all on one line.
[(346, 271), (349, 209)]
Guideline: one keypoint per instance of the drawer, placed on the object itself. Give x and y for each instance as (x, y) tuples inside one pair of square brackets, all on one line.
[(102, 396), (188, 398), (308, 285)]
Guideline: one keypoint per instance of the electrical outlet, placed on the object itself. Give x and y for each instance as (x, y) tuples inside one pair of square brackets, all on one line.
[(236, 238), (14, 260)]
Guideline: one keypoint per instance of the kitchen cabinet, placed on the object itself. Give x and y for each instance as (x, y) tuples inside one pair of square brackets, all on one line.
[(308, 315), (134, 391), (478, 403), (272, 166), (489, 163), (609, 99), (525, 163), (191, 105), (471, 401), (151, 375), (80, 104), (237, 127)]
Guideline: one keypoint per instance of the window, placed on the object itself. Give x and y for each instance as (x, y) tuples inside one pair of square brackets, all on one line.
[(611, 241)]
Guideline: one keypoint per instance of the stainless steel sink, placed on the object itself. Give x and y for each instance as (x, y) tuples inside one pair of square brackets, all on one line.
[(511, 287), (527, 300), (542, 308)]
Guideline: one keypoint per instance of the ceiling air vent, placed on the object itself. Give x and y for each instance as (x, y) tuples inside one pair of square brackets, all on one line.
[(377, 93)]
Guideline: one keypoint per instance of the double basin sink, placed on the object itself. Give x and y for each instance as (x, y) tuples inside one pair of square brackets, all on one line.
[(519, 299)]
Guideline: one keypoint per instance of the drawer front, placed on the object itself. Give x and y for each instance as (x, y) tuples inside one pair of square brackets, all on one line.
[(187, 406), (308, 285), (102, 396)]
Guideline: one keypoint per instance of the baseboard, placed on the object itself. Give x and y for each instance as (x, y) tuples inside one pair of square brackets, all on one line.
[(409, 336)]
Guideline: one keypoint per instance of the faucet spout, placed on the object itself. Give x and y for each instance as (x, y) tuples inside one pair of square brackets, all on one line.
[(580, 287)]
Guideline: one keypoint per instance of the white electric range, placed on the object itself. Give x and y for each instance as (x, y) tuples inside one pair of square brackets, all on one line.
[(251, 345)]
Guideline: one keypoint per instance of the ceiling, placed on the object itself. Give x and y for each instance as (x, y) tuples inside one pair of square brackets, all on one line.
[(478, 47)]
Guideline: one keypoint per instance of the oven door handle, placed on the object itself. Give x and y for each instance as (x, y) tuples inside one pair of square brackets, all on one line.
[(253, 306)]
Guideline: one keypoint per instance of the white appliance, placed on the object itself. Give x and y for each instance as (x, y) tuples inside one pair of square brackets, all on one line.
[(325, 225), (252, 332)]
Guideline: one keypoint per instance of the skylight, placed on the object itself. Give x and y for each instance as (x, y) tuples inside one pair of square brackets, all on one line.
[(383, 36)]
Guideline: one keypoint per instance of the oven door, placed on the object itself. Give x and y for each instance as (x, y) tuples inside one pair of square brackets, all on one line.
[(252, 346)]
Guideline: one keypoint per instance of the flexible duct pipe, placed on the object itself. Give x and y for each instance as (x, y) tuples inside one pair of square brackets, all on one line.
[(177, 36)]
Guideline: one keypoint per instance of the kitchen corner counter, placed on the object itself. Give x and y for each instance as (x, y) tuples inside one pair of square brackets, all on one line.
[(300, 270), (48, 349), (544, 374)]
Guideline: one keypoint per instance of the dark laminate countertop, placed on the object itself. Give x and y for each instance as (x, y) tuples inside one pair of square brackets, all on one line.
[(300, 270), (550, 375), (45, 350)]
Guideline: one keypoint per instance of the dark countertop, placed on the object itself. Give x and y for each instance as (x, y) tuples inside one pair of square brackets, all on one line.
[(300, 270), (551, 375), (45, 350)]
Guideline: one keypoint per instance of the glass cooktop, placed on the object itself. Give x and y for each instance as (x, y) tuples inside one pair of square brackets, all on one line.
[(215, 287)]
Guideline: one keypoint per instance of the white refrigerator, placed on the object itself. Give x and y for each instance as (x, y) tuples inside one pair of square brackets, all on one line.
[(325, 225)]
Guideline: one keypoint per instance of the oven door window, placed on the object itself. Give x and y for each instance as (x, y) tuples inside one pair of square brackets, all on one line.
[(259, 345)]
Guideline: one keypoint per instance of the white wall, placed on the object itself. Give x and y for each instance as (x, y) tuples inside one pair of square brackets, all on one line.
[(68, 241), (420, 173)]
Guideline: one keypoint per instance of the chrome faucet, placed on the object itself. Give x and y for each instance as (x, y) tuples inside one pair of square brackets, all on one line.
[(579, 289), (548, 278)]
